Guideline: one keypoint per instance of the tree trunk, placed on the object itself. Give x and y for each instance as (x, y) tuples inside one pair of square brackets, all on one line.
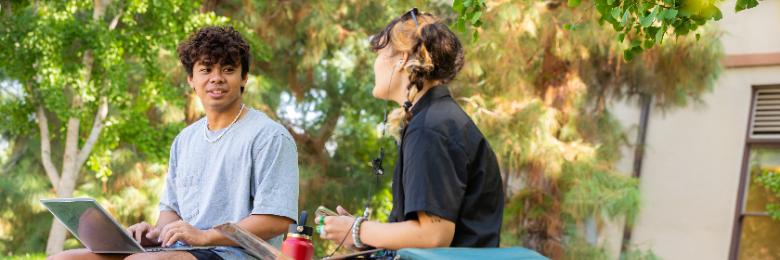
[(66, 185), (56, 240), (73, 157)]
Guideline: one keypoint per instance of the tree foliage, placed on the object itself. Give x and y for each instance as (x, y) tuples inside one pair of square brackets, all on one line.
[(541, 91), (641, 25), (538, 81)]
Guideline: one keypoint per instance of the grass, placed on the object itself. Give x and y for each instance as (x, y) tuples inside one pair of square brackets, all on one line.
[(25, 256)]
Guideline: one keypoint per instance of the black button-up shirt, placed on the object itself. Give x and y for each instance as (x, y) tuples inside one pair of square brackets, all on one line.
[(446, 168)]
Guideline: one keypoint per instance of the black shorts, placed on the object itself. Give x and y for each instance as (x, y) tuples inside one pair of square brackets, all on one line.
[(204, 254)]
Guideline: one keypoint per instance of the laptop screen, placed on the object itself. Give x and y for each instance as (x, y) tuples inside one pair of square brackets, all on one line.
[(91, 225)]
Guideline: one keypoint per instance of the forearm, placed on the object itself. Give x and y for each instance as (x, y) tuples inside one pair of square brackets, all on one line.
[(399, 235), (167, 217), (262, 226)]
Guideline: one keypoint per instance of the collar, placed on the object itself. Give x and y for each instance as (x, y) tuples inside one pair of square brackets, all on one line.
[(432, 94)]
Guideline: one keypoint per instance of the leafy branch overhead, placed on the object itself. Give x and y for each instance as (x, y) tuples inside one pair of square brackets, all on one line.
[(640, 24)]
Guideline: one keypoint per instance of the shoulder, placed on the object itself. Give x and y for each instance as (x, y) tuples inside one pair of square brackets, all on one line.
[(189, 132), (262, 127), (443, 118)]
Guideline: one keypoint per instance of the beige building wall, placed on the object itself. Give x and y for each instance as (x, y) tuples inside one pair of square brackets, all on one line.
[(692, 164)]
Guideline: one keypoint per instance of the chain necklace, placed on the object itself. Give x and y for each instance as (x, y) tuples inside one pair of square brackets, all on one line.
[(206, 129)]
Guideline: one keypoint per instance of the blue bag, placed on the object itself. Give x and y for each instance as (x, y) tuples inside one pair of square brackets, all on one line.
[(457, 253)]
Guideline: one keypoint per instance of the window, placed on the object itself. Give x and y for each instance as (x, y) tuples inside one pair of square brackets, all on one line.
[(756, 235)]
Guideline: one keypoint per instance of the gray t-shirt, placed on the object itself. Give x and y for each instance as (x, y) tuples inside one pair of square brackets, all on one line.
[(252, 169)]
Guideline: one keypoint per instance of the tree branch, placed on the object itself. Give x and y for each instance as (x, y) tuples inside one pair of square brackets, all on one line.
[(48, 166), (115, 21), (97, 127), (329, 124)]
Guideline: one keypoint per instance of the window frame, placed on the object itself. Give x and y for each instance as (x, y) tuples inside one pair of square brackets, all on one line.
[(750, 144)]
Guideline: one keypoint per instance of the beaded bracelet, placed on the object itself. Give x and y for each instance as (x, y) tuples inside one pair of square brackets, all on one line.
[(356, 232)]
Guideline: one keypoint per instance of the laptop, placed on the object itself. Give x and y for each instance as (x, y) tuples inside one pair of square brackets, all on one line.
[(97, 230)]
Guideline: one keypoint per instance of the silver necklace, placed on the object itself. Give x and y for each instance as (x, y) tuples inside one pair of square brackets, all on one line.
[(206, 129)]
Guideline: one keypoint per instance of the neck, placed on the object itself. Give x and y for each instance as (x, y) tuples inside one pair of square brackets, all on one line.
[(427, 85), (219, 119)]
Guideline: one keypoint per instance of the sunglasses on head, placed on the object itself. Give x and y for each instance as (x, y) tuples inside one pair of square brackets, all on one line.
[(413, 13)]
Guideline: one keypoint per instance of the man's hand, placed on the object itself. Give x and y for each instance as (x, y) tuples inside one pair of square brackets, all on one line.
[(144, 233), (184, 232)]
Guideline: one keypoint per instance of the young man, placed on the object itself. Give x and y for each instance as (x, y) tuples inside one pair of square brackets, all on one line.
[(234, 165)]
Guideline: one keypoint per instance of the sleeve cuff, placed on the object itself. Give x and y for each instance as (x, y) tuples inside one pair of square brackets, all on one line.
[(164, 207), (282, 212), (431, 211)]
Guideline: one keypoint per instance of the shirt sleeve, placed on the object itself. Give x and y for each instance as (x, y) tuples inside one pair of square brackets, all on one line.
[(275, 177), (168, 201), (434, 175)]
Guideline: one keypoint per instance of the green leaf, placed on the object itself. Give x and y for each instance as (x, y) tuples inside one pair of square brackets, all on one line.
[(648, 44), (671, 14), (625, 18), (621, 36), (659, 35), (646, 21), (628, 55), (616, 13), (610, 2), (468, 3), (574, 3), (635, 43), (698, 36), (457, 5), (460, 25), (475, 18), (745, 4), (718, 14), (662, 14)]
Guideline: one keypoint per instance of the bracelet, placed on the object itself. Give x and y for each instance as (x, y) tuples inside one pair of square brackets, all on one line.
[(356, 232)]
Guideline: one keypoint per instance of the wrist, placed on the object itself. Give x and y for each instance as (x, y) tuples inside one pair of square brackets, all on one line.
[(356, 230), (211, 236)]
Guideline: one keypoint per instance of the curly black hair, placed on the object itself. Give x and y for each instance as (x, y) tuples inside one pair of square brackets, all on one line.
[(215, 45)]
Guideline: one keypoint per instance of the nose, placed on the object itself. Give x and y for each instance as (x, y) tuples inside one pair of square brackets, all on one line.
[(216, 77)]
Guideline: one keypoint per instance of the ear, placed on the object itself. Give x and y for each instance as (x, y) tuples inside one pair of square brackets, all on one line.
[(189, 82), (403, 61)]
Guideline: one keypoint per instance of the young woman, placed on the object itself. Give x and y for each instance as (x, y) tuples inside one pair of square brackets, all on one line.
[(447, 187)]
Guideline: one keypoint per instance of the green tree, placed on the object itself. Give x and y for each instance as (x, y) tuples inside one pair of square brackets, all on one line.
[(640, 24), (538, 81), (93, 76), (540, 89)]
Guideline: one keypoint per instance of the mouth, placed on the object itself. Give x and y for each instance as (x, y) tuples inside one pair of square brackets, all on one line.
[(216, 93)]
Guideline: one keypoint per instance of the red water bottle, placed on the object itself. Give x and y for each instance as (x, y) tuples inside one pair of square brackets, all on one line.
[(298, 244)]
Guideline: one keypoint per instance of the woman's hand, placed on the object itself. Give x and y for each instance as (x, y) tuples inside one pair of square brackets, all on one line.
[(337, 228), (342, 211), (334, 228)]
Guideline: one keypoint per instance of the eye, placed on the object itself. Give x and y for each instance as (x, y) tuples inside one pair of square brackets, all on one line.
[(229, 69)]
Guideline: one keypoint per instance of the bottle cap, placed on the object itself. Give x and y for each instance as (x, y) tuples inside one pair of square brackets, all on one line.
[(300, 228)]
